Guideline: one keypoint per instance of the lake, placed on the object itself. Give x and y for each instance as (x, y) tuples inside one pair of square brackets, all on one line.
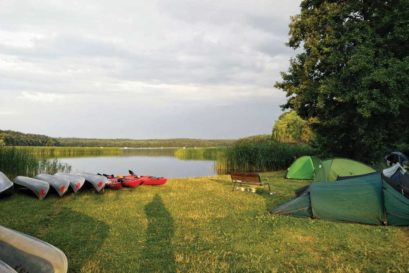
[(167, 166), (165, 162)]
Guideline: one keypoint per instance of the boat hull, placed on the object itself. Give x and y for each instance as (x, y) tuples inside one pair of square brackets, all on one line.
[(38, 187)]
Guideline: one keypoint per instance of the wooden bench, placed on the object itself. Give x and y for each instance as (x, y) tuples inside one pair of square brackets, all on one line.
[(248, 179)]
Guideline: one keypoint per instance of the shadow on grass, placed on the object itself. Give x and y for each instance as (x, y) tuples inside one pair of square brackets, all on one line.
[(158, 253), (78, 235)]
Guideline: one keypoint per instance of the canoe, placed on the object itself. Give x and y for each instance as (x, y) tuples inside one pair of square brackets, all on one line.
[(59, 184), (39, 187), (5, 268), (76, 181), (25, 253), (98, 181), (5, 184)]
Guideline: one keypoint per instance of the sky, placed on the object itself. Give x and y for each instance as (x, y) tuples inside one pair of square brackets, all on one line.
[(143, 69)]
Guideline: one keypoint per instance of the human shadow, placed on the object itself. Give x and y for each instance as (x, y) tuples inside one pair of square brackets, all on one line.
[(158, 254)]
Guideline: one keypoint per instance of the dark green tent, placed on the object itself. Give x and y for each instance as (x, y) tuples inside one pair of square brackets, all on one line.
[(366, 199), (303, 168), (329, 170)]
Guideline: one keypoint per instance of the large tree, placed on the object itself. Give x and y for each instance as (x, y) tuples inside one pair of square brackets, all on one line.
[(351, 74), (290, 128)]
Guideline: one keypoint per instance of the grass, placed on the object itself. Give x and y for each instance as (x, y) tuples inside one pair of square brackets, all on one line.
[(200, 225)]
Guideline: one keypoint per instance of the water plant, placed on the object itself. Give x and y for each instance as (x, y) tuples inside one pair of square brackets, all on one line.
[(265, 155), (15, 162)]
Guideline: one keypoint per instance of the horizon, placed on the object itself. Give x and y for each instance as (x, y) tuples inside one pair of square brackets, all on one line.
[(127, 70)]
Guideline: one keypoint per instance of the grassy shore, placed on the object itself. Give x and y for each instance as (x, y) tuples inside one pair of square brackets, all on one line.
[(200, 225)]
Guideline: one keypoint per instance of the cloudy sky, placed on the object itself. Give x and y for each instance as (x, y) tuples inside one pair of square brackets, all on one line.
[(143, 69)]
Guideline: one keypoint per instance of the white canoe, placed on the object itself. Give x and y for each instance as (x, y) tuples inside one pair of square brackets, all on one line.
[(39, 187), (5, 268), (76, 181), (59, 184), (5, 184), (25, 253), (98, 181)]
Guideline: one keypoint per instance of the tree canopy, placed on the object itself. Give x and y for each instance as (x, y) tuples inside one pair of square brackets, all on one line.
[(290, 128), (350, 77)]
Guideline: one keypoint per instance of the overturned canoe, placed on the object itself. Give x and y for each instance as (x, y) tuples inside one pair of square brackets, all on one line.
[(76, 181), (5, 184), (39, 187), (28, 254), (5, 268), (98, 181), (59, 184)]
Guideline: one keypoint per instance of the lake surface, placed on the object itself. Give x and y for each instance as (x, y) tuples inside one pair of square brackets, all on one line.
[(167, 166)]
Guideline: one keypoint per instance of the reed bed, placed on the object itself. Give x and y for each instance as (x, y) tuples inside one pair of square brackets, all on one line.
[(54, 152), (201, 153), (15, 161), (265, 155)]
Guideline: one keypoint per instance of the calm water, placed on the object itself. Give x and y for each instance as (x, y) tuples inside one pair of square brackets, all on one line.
[(167, 166)]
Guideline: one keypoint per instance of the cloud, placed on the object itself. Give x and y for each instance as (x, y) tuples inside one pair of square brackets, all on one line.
[(168, 53), (41, 97)]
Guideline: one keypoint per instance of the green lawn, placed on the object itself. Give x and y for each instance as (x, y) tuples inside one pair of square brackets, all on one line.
[(200, 225)]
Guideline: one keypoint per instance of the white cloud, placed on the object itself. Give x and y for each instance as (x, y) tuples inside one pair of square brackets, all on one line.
[(169, 53), (41, 97)]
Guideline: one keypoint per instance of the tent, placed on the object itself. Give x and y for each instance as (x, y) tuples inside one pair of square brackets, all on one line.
[(329, 170), (368, 199), (303, 168)]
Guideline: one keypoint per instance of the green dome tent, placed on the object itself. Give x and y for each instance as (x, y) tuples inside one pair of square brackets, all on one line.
[(303, 168), (329, 170), (369, 199)]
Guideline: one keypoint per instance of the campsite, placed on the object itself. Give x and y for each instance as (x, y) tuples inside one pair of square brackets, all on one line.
[(160, 230), (204, 136)]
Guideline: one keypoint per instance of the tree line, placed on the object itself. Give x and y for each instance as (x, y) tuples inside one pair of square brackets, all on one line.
[(13, 138)]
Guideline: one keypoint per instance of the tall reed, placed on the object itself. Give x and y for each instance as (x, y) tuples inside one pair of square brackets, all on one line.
[(200, 153), (15, 162), (265, 155)]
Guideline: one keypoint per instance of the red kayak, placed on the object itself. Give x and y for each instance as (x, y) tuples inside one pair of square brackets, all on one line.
[(117, 182), (113, 184), (149, 180), (154, 181), (132, 182)]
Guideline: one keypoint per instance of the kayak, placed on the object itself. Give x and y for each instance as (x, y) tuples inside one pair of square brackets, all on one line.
[(76, 181), (59, 184), (5, 184), (25, 253), (154, 181), (39, 187), (132, 182), (113, 184), (149, 180), (125, 181), (98, 181)]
